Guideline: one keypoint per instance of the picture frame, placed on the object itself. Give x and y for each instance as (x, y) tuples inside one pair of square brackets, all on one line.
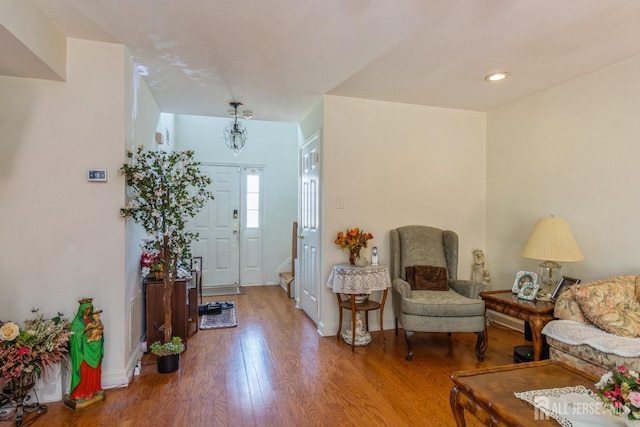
[(522, 278), (562, 285), (196, 263), (529, 291), (196, 266), (97, 175)]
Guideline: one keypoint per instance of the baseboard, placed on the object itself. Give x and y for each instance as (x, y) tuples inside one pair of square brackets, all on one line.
[(122, 378), (504, 320), (321, 329), (115, 379)]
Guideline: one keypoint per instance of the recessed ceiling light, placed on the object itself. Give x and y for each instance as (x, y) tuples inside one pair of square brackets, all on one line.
[(496, 77)]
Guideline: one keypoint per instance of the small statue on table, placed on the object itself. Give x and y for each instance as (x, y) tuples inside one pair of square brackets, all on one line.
[(87, 351), (363, 337), (478, 273)]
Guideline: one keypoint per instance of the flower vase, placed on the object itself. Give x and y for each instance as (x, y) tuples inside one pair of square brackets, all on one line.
[(17, 389), (353, 255), (158, 271)]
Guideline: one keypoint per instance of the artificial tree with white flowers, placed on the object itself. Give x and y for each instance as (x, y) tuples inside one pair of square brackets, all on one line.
[(167, 189)]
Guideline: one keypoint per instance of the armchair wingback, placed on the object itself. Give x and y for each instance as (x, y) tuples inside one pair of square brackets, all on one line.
[(457, 309), (420, 245)]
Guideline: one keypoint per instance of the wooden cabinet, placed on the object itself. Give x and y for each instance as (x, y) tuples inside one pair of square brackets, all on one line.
[(184, 310)]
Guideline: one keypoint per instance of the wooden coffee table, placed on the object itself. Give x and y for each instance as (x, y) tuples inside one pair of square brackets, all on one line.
[(488, 393), (537, 313)]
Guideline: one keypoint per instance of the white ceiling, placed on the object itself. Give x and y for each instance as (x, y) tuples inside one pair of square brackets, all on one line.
[(279, 57)]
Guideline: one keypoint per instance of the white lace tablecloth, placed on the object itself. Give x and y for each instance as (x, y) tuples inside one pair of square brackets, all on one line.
[(349, 279), (570, 407)]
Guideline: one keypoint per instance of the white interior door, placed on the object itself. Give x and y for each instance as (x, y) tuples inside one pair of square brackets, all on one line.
[(218, 224), (308, 273)]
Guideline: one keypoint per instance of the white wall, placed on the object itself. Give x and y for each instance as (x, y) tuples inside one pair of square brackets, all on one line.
[(62, 237), (142, 118), (269, 144), (395, 165), (37, 48), (571, 151), (311, 122)]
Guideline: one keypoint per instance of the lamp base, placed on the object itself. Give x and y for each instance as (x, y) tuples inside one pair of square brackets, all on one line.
[(549, 276)]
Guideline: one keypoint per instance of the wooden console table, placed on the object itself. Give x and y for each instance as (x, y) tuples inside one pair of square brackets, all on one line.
[(537, 313), (352, 280)]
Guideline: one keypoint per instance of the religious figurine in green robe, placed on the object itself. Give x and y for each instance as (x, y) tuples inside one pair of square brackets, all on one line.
[(87, 350)]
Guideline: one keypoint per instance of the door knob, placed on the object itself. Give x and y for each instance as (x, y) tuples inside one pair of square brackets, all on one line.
[(235, 231), (300, 236)]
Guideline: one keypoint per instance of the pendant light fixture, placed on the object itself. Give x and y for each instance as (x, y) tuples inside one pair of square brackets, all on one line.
[(235, 135)]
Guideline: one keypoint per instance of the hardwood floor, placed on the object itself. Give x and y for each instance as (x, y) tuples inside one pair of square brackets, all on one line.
[(273, 369)]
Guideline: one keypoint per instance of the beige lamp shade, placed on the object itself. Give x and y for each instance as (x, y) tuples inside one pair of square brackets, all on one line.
[(552, 240)]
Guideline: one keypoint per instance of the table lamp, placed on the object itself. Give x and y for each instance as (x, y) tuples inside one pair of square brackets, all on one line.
[(551, 241)]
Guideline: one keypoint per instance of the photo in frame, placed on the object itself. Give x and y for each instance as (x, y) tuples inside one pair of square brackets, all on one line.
[(196, 272), (562, 285), (528, 291), (522, 278)]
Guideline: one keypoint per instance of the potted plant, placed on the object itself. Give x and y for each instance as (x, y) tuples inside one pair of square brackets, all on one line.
[(168, 354), (27, 353), (166, 189)]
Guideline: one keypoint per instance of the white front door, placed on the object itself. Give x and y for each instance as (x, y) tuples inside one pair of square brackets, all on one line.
[(218, 224), (308, 228), (230, 227)]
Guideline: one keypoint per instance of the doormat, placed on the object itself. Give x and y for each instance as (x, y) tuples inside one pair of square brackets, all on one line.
[(218, 291), (226, 319)]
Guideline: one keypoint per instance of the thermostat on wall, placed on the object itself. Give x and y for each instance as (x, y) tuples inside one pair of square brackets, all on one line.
[(98, 175), (162, 138)]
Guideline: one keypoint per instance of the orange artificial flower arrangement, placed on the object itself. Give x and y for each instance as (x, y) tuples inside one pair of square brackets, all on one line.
[(353, 239)]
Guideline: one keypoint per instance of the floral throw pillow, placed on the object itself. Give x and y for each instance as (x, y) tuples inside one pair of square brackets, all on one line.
[(567, 308), (611, 305)]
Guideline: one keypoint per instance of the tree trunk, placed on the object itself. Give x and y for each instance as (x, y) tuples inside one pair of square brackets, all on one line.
[(168, 281)]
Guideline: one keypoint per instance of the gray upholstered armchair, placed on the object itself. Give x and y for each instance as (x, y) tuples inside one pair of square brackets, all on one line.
[(418, 306)]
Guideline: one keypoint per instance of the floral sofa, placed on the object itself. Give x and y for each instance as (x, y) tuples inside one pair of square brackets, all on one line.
[(597, 325)]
